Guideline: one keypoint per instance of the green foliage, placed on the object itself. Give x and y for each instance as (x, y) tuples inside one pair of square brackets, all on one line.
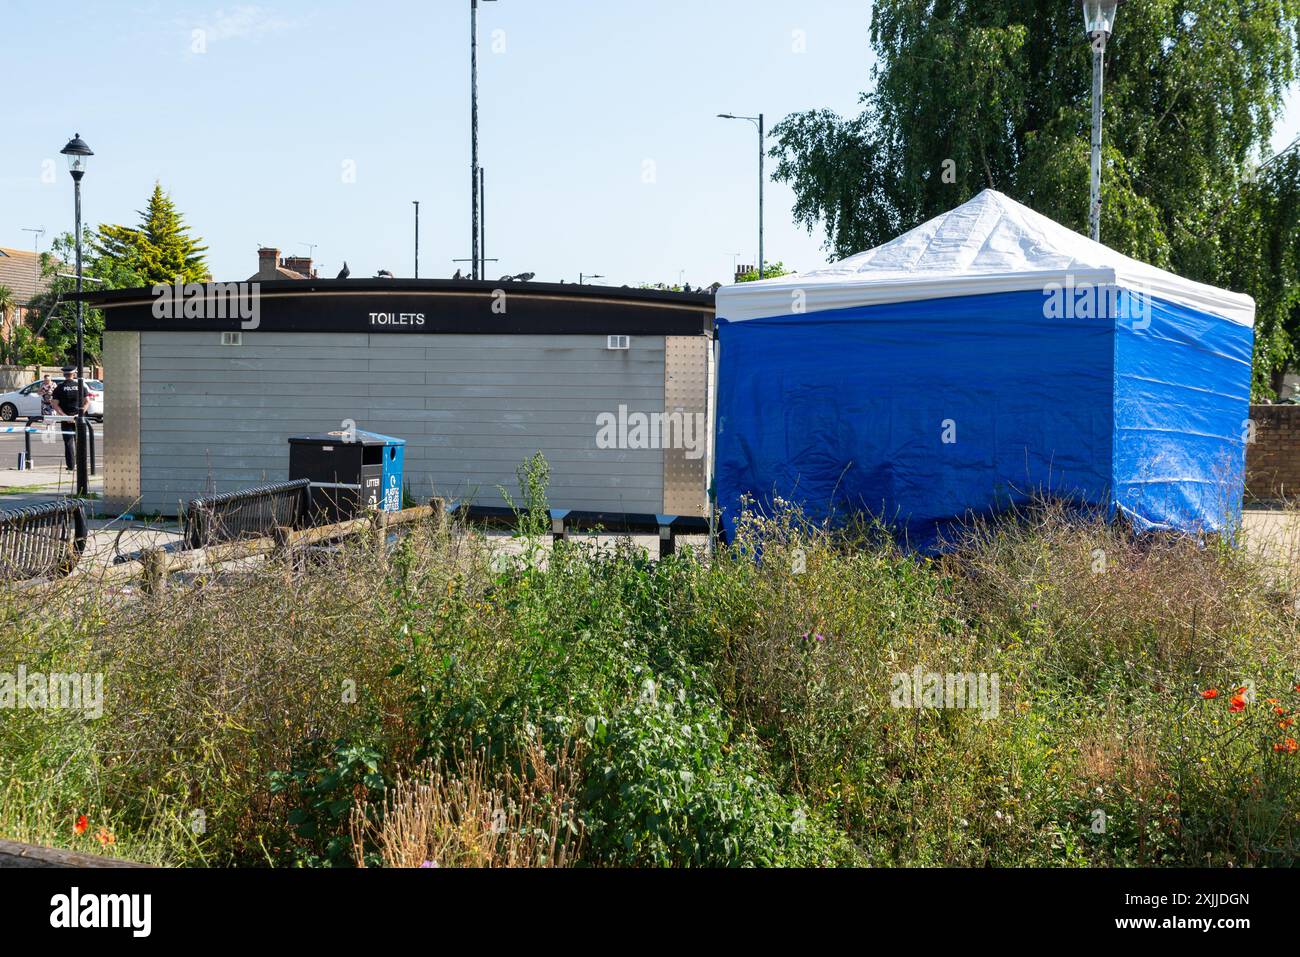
[(158, 250), (322, 790), (532, 516), (1260, 252), (770, 271), (10, 350), (115, 257), (26, 348), (729, 712), (666, 788), (997, 94), (51, 331)]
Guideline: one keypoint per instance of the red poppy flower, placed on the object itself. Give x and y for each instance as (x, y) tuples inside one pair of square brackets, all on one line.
[(1289, 746), (1210, 693), (82, 823), (1238, 703), (105, 836)]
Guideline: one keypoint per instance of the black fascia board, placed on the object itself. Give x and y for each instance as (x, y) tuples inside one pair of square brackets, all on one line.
[(400, 306)]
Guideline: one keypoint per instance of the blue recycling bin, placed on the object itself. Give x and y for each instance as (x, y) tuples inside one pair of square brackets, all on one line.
[(394, 462), (351, 471)]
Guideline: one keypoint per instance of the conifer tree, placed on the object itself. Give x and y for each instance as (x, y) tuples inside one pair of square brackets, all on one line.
[(159, 250)]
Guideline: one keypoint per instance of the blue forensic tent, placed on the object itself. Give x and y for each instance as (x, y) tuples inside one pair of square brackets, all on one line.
[(985, 357)]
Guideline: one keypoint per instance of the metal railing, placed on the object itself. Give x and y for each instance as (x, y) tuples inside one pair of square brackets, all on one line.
[(249, 513), (41, 541)]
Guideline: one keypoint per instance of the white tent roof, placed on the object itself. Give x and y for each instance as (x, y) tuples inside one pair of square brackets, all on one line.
[(989, 244)]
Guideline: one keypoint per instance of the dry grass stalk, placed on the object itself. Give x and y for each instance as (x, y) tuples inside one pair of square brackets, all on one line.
[(460, 818)]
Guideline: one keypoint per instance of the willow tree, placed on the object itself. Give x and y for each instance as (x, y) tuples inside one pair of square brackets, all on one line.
[(966, 96), (1259, 251)]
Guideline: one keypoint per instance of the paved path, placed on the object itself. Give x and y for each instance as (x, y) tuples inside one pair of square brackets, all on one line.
[(1273, 535), (46, 483), (110, 538)]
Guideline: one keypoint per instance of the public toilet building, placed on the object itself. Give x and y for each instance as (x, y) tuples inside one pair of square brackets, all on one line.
[(205, 384)]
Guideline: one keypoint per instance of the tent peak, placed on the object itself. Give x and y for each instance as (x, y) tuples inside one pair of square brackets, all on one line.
[(990, 243)]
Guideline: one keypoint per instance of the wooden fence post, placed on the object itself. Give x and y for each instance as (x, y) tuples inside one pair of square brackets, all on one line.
[(379, 530), (282, 535), (154, 562)]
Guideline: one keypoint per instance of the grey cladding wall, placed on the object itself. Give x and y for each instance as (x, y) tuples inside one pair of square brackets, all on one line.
[(215, 418)]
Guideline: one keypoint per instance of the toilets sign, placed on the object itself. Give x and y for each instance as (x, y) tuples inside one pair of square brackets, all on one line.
[(391, 319)]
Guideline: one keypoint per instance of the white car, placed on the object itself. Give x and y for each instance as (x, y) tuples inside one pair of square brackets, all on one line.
[(26, 402)]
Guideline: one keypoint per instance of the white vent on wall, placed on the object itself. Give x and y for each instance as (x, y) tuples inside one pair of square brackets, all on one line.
[(617, 342), (232, 338)]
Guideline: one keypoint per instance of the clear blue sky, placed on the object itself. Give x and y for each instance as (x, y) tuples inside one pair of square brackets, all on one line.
[(252, 136)]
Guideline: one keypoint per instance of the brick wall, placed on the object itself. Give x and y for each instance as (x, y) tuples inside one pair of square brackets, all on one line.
[(1273, 459)]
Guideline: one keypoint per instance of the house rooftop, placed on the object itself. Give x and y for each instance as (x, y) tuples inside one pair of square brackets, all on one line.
[(20, 270)]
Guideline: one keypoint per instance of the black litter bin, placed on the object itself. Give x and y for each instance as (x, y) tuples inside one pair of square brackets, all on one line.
[(351, 472)]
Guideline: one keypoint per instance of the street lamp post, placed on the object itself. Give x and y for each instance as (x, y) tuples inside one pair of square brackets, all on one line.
[(416, 203), (762, 144), (584, 276), (1098, 22), (78, 154), (476, 263)]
